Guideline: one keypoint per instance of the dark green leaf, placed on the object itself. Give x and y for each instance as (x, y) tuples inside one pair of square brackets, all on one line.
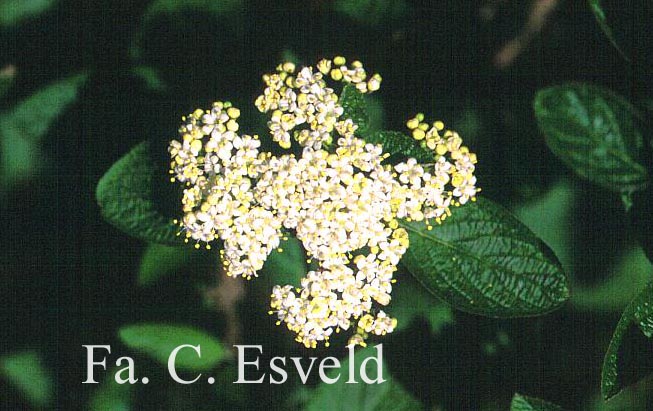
[(127, 195), (550, 217), (341, 396), (631, 273), (7, 78), (375, 112), (595, 132), (13, 12), (410, 300), (638, 313), (162, 260), (355, 108), (372, 12), (400, 146), (26, 372), (524, 403), (22, 128), (158, 341), (484, 261), (640, 216), (151, 77), (287, 267), (601, 18), (162, 7), (643, 310), (111, 396)]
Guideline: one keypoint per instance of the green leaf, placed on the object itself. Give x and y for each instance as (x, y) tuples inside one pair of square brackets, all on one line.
[(355, 107), (375, 112), (169, 7), (410, 300), (111, 396), (14, 12), (128, 195), (400, 146), (524, 403), (25, 370), (22, 128), (631, 273), (643, 310), (601, 18), (638, 313), (640, 217), (158, 341), (372, 12), (150, 77), (341, 396), (7, 79), (161, 260), (287, 267), (594, 132), (484, 261)]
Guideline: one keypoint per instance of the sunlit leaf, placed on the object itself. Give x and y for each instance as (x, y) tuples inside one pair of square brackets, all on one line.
[(25, 371), (14, 12), (159, 340), (616, 373), (524, 403), (341, 396), (484, 261), (129, 197), (594, 132)]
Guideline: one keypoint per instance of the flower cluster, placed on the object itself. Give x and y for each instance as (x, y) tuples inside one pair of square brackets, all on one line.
[(338, 198)]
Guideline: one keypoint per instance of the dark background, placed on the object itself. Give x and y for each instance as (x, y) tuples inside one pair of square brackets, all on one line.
[(68, 277)]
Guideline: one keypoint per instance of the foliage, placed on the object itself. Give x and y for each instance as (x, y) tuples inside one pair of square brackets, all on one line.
[(159, 340), (27, 372)]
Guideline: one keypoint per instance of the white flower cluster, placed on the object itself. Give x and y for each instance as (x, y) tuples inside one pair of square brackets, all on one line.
[(340, 200)]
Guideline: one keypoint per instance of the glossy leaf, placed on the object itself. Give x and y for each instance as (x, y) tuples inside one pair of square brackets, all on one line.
[(127, 195), (159, 340), (595, 132), (524, 403), (639, 313), (484, 261), (341, 396)]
